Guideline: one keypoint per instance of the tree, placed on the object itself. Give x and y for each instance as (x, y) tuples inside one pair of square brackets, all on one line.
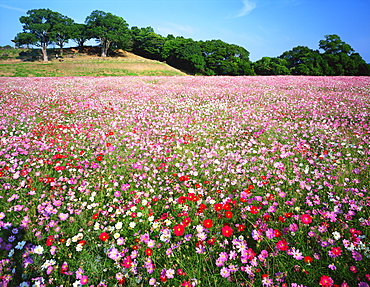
[(147, 43), (108, 29), (341, 57), (271, 66), (226, 59), (79, 34), (39, 23), (302, 60), (24, 39), (187, 55), (334, 45), (62, 30)]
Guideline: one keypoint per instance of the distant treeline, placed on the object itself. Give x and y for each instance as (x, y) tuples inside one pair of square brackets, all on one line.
[(43, 27)]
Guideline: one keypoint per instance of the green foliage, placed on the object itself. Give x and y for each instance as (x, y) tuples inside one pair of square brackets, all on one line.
[(42, 27), (79, 34), (62, 30), (25, 39), (226, 59), (271, 66), (146, 43), (40, 24), (303, 61), (108, 29)]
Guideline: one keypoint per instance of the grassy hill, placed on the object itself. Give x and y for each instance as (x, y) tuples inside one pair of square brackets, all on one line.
[(28, 63)]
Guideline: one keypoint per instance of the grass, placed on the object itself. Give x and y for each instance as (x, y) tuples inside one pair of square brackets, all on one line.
[(80, 64)]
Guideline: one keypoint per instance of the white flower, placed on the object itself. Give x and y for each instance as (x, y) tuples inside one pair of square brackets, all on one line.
[(156, 225), (68, 242), (151, 218), (79, 247), (132, 224), (116, 235), (38, 249), (118, 225), (199, 228), (336, 235)]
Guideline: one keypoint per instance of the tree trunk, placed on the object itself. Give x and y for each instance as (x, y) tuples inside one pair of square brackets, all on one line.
[(104, 48), (44, 53)]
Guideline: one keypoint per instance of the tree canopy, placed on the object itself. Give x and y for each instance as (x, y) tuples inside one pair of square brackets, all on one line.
[(39, 24), (213, 57), (108, 29)]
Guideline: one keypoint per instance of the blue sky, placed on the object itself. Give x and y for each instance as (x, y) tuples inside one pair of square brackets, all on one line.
[(263, 27)]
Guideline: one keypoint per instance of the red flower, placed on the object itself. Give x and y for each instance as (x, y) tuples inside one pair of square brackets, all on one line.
[(306, 219), (95, 216), (104, 236), (282, 245), (179, 229), (49, 240), (282, 219), (226, 206), (99, 158), (308, 259), (288, 215), (229, 214), (218, 207), (277, 233), (208, 223), (163, 278), (82, 242), (186, 221), (241, 227), (149, 252), (326, 281), (254, 210), (227, 231), (181, 199), (335, 252), (266, 217)]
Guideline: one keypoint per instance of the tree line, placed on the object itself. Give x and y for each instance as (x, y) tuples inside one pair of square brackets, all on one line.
[(43, 27)]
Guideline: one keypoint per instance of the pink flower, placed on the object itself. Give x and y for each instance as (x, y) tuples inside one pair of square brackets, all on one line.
[(84, 280), (326, 281)]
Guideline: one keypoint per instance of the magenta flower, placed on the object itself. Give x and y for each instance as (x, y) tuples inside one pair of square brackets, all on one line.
[(84, 280)]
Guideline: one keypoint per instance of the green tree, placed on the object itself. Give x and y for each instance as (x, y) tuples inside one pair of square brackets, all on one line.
[(226, 59), (40, 23), (22, 39), (62, 30), (302, 60), (79, 34), (334, 45), (341, 58), (187, 56), (108, 29), (271, 66), (147, 43)]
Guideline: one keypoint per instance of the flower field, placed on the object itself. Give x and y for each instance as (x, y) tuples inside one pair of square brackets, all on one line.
[(185, 181)]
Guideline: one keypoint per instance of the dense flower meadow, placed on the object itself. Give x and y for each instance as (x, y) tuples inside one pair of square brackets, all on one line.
[(185, 181)]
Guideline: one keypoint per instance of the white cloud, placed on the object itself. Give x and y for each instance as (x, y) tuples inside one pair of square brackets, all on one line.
[(248, 6), (12, 8)]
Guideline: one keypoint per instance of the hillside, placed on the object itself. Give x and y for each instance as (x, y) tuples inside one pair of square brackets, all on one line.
[(27, 63)]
